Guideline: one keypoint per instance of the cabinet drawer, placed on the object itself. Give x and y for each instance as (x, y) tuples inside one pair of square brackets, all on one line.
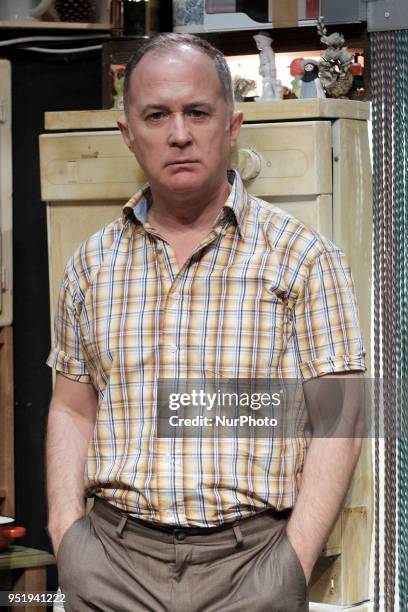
[(295, 158), (88, 166)]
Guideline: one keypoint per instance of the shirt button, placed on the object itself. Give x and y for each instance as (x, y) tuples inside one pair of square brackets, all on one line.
[(173, 349), (180, 536)]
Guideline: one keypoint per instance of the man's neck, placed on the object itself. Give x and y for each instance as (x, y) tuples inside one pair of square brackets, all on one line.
[(188, 212)]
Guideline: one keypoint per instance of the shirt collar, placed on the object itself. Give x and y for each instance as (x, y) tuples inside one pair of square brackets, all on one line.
[(137, 206), (237, 200)]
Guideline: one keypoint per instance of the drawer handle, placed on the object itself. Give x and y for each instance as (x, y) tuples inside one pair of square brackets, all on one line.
[(249, 164)]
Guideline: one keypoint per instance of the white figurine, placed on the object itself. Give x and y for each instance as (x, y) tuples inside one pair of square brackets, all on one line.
[(271, 86)]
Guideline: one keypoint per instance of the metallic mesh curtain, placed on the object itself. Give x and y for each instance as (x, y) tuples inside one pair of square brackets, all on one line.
[(390, 141)]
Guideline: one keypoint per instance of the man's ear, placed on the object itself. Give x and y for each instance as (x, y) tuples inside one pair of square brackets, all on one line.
[(126, 134), (235, 125)]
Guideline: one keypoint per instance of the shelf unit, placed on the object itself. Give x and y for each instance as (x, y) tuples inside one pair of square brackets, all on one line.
[(53, 25)]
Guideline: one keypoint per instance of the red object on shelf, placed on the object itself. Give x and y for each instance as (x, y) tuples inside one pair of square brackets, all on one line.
[(296, 68), (312, 9), (357, 69), (9, 532)]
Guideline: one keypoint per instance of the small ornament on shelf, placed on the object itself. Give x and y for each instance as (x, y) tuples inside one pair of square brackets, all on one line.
[(118, 81), (243, 87), (296, 71), (358, 90), (311, 86), (335, 66), (271, 86)]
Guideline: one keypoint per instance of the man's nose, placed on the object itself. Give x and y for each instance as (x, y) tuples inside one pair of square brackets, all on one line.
[(180, 134)]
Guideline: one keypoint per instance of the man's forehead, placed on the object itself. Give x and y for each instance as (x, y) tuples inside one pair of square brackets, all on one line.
[(180, 56), (174, 74)]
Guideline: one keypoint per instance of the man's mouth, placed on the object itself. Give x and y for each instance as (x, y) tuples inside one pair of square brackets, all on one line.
[(178, 162)]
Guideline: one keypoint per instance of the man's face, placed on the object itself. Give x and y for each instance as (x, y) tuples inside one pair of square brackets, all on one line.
[(178, 126)]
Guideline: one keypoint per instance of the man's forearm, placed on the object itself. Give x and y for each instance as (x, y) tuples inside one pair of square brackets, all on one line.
[(68, 436), (329, 466)]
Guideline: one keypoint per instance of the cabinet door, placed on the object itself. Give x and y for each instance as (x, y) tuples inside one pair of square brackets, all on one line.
[(352, 209), (69, 224), (314, 211)]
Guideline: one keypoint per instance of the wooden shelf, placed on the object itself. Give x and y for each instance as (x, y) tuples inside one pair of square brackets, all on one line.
[(310, 108), (279, 110), (82, 120), (53, 25), (17, 557)]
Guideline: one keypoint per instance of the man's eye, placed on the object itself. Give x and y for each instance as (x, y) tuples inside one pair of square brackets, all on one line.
[(156, 116), (198, 114)]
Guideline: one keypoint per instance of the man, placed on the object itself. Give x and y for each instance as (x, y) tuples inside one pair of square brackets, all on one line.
[(196, 280)]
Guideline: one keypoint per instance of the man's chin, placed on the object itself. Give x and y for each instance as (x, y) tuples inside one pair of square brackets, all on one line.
[(184, 182)]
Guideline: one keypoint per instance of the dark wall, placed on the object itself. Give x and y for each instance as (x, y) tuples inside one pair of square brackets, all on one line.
[(40, 83)]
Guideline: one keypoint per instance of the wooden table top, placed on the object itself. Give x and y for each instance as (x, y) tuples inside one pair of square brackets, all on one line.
[(17, 557)]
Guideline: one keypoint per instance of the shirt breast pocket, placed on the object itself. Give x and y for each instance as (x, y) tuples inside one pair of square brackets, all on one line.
[(254, 334), (271, 331)]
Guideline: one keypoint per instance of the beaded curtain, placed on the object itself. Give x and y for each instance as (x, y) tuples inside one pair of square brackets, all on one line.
[(390, 257)]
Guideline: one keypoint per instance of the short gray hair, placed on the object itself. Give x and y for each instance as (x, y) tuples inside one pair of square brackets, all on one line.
[(166, 41)]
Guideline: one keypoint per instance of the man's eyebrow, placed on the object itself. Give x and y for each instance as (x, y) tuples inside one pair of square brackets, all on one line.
[(149, 107), (195, 103), (164, 107)]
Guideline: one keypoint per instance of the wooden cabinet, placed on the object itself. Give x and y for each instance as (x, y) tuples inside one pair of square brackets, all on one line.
[(309, 157)]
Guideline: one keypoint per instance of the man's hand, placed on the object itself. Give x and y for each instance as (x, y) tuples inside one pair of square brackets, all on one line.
[(329, 464), (71, 421)]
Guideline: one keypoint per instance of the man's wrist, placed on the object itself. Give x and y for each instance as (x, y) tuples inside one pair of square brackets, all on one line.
[(307, 553), (58, 525), (57, 529), (59, 519)]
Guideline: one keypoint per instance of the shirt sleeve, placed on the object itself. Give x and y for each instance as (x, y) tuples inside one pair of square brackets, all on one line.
[(326, 325), (67, 355)]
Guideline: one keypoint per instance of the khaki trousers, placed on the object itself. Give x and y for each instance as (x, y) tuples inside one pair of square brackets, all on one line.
[(107, 561)]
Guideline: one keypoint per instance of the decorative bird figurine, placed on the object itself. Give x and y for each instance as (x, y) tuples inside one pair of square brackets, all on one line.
[(335, 66)]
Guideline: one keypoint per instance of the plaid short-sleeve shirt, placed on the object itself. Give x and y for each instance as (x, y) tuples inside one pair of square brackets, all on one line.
[(263, 296)]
